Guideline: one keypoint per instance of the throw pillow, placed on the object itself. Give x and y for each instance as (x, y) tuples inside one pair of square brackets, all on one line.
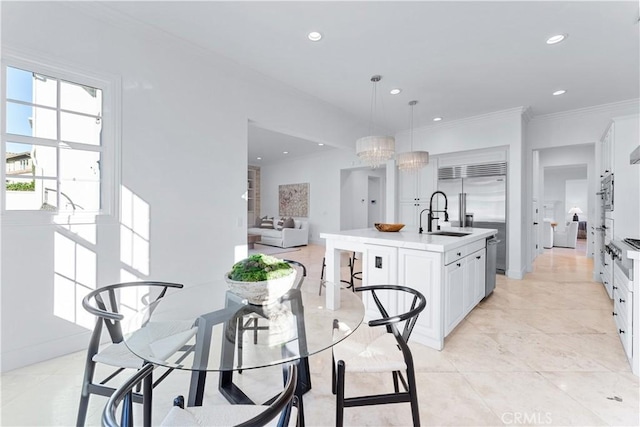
[(289, 223), (280, 224), (259, 221), (266, 223)]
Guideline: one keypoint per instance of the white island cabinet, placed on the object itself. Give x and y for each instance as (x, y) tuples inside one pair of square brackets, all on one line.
[(448, 270)]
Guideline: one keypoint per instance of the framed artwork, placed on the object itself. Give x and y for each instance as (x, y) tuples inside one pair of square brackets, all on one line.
[(294, 200)]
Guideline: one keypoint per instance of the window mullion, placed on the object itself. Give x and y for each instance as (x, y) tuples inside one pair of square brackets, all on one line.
[(59, 140)]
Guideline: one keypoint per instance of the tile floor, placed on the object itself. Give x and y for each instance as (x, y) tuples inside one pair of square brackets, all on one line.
[(539, 351)]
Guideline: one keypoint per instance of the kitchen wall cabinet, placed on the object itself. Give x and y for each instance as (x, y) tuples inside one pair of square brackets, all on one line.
[(607, 150), (414, 192)]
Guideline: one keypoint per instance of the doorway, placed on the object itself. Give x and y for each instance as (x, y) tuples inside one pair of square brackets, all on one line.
[(362, 197)]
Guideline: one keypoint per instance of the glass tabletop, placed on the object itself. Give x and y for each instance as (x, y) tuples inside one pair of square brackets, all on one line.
[(207, 328)]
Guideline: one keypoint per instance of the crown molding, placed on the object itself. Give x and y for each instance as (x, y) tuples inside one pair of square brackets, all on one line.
[(622, 105)]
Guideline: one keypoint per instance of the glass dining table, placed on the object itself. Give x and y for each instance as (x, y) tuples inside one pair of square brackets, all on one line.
[(205, 328)]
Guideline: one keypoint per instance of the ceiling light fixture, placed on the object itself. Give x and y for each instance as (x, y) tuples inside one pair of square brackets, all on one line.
[(375, 150), (320, 144), (258, 158), (314, 36), (285, 152), (395, 91), (557, 38), (437, 119), (412, 160), (559, 92)]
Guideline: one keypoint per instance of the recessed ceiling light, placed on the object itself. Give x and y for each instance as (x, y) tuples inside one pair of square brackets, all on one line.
[(395, 91), (258, 158), (314, 36), (559, 92), (437, 119), (557, 38), (285, 152), (320, 144)]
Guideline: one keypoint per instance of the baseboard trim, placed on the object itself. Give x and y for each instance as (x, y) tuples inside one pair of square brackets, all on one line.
[(14, 359)]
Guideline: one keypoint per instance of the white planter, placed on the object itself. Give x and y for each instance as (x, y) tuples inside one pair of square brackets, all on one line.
[(262, 293)]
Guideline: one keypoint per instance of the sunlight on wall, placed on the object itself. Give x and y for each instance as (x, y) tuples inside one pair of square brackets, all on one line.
[(134, 249), (134, 234), (239, 253), (74, 277)]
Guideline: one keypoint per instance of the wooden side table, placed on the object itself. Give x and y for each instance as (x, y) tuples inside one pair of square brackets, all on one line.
[(252, 239)]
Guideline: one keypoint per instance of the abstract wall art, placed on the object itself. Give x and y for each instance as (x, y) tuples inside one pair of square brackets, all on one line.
[(294, 200)]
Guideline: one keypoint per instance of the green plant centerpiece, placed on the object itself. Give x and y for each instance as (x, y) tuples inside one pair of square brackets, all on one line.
[(260, 279)]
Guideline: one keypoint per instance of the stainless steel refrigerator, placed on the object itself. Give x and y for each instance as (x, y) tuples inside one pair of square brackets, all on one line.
[(485, 187)]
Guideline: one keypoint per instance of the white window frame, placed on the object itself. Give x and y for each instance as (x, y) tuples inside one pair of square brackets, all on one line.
[(110, 139)]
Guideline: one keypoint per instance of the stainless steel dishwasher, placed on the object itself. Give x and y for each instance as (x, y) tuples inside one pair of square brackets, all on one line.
[(490, 271)]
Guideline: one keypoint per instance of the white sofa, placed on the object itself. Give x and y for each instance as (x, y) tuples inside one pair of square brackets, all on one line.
[(285, 238), (566, 238)]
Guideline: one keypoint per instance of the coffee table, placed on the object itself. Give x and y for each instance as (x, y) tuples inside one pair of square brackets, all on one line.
[(252, 239)]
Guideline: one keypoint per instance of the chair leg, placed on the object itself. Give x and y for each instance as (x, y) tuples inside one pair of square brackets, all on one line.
[(415, 409), (89, 371), (324, 264), (340, 395), (395, 382), (126, 419), (147, 396)]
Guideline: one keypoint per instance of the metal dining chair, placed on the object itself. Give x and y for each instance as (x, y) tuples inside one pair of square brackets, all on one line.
[(281, 410), (353, 275), (106, 304), (380, 347)]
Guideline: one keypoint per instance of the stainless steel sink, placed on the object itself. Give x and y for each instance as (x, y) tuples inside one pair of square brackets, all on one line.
[(449, 233)]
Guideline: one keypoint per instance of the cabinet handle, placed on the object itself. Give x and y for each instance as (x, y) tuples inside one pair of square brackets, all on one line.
[(615, 287), (458, 264), (606, 283), (614, 313), (605, 264), (478, 257), (621, 300), (620, 331), (459, 253)]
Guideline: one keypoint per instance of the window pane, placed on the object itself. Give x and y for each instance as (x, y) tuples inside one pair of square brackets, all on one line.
[(77, 128), (31, 194), (83, 99), (79, 165), (44, 161), (31, 87), (30, 160), (31, 121), (79, 196)]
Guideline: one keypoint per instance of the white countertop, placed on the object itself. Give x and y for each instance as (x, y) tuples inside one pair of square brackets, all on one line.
[(411, 239)]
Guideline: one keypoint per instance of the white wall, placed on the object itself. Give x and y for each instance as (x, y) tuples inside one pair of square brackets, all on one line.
[(177, 101)]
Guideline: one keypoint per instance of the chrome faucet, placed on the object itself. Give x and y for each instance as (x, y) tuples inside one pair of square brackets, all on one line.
[(431, 211)]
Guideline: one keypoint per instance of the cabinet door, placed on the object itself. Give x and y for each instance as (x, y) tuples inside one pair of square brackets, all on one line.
[(454, 294), (476, 270), (409, 215), (421, 270), (407, 187)]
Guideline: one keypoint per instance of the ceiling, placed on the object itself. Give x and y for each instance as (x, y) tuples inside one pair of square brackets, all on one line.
[(458, 59), (271, 146)]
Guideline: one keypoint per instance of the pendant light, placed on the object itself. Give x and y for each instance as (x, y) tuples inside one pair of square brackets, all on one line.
[(412, 160), (374, 149)]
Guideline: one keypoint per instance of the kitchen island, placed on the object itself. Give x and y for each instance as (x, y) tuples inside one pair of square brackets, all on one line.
[(448, 270)]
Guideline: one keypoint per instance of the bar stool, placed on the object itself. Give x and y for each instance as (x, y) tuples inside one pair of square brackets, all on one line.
[(357, 275)]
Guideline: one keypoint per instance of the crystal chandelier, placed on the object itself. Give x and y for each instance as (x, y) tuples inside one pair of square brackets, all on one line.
[(375, 150), (412, 160)]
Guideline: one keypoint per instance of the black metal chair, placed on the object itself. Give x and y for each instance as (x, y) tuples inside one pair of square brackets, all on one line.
[(105, 304), (216, 415), (379, 347)]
